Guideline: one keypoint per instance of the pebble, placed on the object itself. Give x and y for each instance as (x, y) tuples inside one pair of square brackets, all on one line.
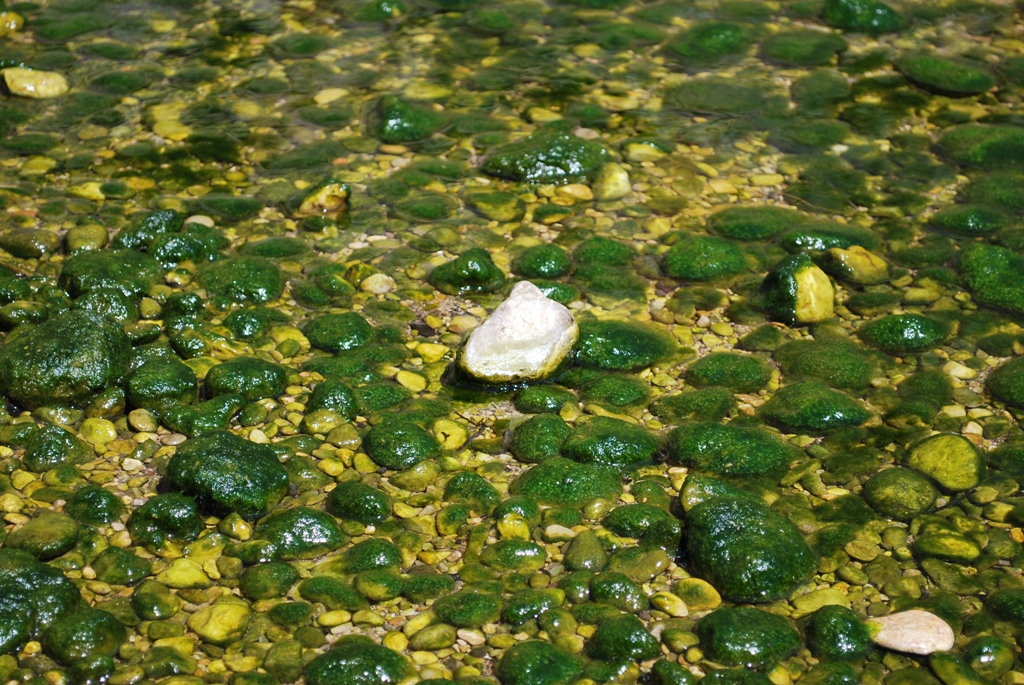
[(913, 632), (378, 284), (30, 83)]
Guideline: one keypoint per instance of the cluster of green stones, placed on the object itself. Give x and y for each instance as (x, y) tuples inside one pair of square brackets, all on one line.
[(242, 243)]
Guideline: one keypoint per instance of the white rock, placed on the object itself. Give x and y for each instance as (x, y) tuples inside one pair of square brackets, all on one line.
[(30, 83), (914, 632), (524, 339), (378, 284), (612, 182)]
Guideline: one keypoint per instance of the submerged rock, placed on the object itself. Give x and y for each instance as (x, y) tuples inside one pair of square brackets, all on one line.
[(30, 83), (797, 291), (994, 275), (913, 632), (547, 156), (862, 16), (525, 339)]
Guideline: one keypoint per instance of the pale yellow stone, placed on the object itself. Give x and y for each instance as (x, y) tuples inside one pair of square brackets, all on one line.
[(642, 152), (451, 434), (395, 640), (90, 190), (329, 619), (612, 183), (767, 179), (815, 296), (35, 84), (540, 115), (97, 431), (37, 165), (669, 603), (172, 130), (182, 645), (413, 382), (221, 623), (328, 95), (183, 574), (576, 191), (722, 185), (431, 352)]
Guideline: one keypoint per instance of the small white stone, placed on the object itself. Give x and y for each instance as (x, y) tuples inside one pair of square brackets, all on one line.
[(556, 533), (524, 339), (471, 637), (913, 632), (378, 284), (31, 83)]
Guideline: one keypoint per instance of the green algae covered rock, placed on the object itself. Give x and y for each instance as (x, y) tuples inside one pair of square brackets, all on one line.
[(994, 275), (165, 518), (989, 656), (1000, 189), (542, 261), (339, 332), (1007, 382), (398, 444), (862, 16), (899, 493), (812, 407), (605, 441), (268, 580), (621, 346), (538, 438), (839, 363), (48, 535), (747, 551), (903, 333), (226, 473), (803, 48), (728, 450), (66, 360), (250, 377), (357, 501), (397, 121), (561, 482), (33, 597), (710, 41), (52, 446), (759, 222), (835, 632), (738, 372), (85, 633), (468, 609), (735, 676), (514, 555), (335, 396), (299, 533), (471, 272), (797, 291), (133, 273), (160, 382), (950, 460), (467, 487), (371, 554), (358, 660), (242, 280), (742, 636), (547, 156), (543, 399), (704, 258), (987, 146), (94, 505), (969, 220), (535, 662), (944, 76), (623, 638)]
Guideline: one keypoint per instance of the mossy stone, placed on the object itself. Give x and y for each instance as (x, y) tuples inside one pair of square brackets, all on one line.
[(606, 441), (728, 450), (743, 636), (623, 638), (950, 460), (66, 360), (944, 76), (471, 272), (735, 676), (989, 656), (398, 121), (747, 551), (165, 518), (332, 592), (94, 505), (334, 395), (969, 220), (358, 660), (839, 363), (467, 609), (250, 377), (621, 346), (862, 16), (514, 555), (803, 48), (85, 633), (905, 333), (196, 419), (538, 438), (706, 404), (738, 372), (399, 444), (796, 291), (355, 501), (535, 662), (1006, 383), (704, 258), (160, 382), (563, 482), (717, 96), (133, 273), (604, 251), (547, 156), (496, 206), (48, 535), (710, 41), (226, 473), (528, 605), (753, 222), (268, 580), (229, 208), (120, 567), (339, 332), (299, 533), (242, 280), (542, 261), (986, 146), (52, 446), (899, 493), (994, 275), (819, 237), (617, 590), (371, 554), (812, 407), (614, 390), (541, 399), (1000, 189), (835, 632)]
